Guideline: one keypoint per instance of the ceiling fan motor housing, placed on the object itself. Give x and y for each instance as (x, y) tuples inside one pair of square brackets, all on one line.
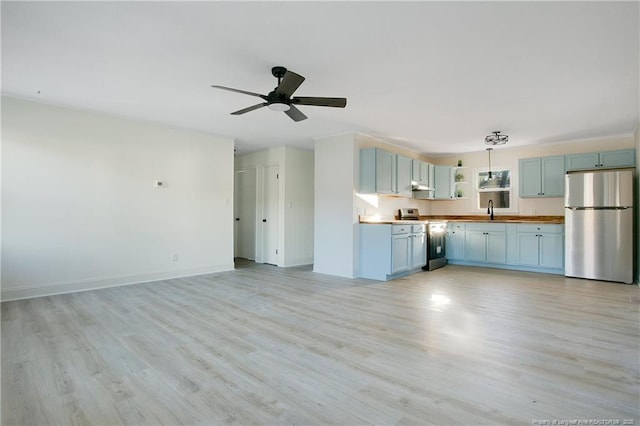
[(278, 72)]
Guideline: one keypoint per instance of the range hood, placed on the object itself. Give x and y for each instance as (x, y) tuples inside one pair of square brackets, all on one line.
[(420, 186)]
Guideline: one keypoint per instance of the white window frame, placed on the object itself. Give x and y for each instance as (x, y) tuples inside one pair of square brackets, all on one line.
[(476, 191)]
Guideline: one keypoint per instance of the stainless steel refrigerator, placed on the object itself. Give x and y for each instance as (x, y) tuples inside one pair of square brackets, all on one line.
[(599, 225)]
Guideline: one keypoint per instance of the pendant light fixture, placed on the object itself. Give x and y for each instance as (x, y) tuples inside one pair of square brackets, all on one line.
[(496, 139), (489, 152)]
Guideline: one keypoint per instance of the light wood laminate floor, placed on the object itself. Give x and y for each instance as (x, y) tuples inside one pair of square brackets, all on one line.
[(266, 345)]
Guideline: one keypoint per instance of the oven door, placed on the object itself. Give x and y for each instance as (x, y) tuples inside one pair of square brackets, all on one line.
[(436, 241), (436, 246)]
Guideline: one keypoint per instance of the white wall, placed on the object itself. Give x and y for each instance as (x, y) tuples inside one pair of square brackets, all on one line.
[(636, 137), (295, 203), (508, 158), (335, 218), (298, 208), (80, 209)]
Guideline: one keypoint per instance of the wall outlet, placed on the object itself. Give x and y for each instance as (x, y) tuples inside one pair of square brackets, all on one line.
[(174, 257)]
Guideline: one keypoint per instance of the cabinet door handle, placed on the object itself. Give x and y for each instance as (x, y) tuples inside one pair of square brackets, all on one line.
[(264, 220)]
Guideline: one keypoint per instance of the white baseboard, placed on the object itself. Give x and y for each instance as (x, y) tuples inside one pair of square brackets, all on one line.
[(299, 262), (39, 290)]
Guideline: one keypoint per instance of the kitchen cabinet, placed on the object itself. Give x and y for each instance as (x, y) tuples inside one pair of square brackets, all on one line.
[(429, 171), (600, 160), (455, 241), (535, 247), (400, 250), (388, 251), (540, 246), (383, 172), (422, 173), (419, 172), (542, 177), (444, 183), (403, 175), (486, 243), (418, 246)]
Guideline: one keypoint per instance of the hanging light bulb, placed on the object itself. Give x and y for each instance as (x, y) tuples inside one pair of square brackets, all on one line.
[(489, 151)]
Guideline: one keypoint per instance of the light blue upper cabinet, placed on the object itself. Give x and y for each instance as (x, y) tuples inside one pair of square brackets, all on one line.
[(403, 176), (542, 177), (419, 172), (553, 176), (530, 177), (443, 182), (383, 172), (622, 158), (376, 171), (431, 174), (584, 161), (601, 160)]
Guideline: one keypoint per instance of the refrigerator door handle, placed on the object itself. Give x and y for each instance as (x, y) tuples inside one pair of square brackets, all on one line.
[(598, 208)]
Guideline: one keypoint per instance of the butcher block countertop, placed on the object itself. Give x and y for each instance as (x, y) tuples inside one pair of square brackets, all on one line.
[(498, 219), (467, 218)]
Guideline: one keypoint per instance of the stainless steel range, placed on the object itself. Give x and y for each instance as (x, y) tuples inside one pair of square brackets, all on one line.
[(436, 239), (409, 214), (436, 246)]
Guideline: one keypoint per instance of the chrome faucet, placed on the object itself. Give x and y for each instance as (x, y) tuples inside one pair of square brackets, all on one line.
[(490, 208)]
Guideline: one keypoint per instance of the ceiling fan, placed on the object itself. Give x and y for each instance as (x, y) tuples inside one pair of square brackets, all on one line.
[(280, 98)]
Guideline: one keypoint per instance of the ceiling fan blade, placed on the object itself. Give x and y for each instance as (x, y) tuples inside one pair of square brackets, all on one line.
[(251, 108), (244, 92), (328, 102), (295, 114), (290, 82)]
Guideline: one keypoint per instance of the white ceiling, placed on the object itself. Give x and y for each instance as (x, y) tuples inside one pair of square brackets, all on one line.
[(433, 77)]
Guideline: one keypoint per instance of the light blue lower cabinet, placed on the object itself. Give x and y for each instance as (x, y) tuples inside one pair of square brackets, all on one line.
[(524, 247), (400, 253), (455, 241), (541, 246), (391, 251)]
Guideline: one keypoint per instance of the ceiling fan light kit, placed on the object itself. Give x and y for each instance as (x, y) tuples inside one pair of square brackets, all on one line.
[(280, 98), (277, 106)]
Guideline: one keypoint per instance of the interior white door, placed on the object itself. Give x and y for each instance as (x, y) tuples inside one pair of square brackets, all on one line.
[(270, 215), (245, 214)]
